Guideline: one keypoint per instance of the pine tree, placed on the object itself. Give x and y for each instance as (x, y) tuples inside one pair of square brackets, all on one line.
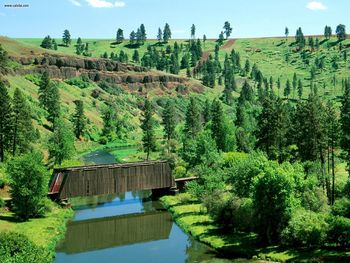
[(300, 89), (61, 142), (108, 117), (168, 120), (159, 35), (345, 123), (333, 132), (79, 119), (341, 32), (120, 36), (294, 83), (218, 125), (227, 29), (5, 119), (207, 111), (221, 38), (132, 37), (166, 33), (286, 32), (246, 67), (143, 33), (193, 31), (3, 61), (22, 127), (43, 89), (147, 126), (53, 103), (136, 57), (46, 43), (66, 38), (192, 119), (287, 89)]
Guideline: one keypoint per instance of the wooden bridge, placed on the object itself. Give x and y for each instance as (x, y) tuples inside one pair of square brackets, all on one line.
[(101, 233), (110, 178)]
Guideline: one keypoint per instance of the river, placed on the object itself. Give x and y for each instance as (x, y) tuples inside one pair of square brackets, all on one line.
[(127, 227)]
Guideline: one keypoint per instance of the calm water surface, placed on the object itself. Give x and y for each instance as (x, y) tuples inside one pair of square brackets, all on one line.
[(128, 228)]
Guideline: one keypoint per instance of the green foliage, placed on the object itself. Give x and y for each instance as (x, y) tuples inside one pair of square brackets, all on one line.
[(147, 126), (61, 142), (81, 82), (273, 200), (315, 200), (339, 230), (341, 207), (79, 119), (28, 183), (180, 171), (34, 78), (243, 172), (5, 120), (66, 38), (17, 248), (305, 229)]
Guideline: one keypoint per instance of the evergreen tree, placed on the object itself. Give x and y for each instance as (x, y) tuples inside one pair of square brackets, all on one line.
[(5, 120), (22, 127), (246, 67), (193, 31), (169, 121), (61, 142), (136, 57), (159, 35), (341, 32), (221, 38), (3, 61), (327, 32), (66, 38), (300, 89), (120, 36), (286, 32), (218, 125), (345, 123), (227, 29), (47, 43), (53, 103), (192, 119), (108, 117), (143, 33), (132, 37), (299, 38), (207, 111), (333, 133), (287, 89), (147, 126), (294, 83), (166, 33), (79, 119)]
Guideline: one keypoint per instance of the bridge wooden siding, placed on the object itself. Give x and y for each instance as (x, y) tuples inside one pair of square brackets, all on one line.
[(111, 178)]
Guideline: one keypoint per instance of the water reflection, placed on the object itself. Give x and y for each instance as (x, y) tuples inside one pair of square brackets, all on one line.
[(127, 228)]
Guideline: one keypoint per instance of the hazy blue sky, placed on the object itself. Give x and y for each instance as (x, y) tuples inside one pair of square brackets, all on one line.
[(101, 18)]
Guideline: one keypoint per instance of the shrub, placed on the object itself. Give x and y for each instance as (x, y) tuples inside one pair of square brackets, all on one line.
[(80, 82), (2, 203), (305, 228), (34, 78), (179, 171), (341, 207), (339, 230), (315, 200), (29, 180), (15, 248)]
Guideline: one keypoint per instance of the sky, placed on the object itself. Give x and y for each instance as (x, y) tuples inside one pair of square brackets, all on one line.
[(101, 18)]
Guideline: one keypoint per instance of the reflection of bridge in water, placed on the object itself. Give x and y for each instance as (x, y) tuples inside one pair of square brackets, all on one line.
[(95, 234)]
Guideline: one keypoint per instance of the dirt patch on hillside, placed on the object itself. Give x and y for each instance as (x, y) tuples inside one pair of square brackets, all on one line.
[(228, 44)]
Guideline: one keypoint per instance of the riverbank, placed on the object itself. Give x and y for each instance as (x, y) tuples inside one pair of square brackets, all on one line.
[(193, 218), (45, 232)]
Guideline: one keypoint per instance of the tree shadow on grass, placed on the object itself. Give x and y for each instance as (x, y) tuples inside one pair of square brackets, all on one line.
[(10, 218)]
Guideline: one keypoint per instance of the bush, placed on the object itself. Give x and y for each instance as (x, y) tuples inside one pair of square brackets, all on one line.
[(230, 212), (339, 230), (17, 248), (34, 78), (29, 180), (3, 177), (180, 172), (341, 207), (305, 228), (80, 82), (2, 203), (315, 200)]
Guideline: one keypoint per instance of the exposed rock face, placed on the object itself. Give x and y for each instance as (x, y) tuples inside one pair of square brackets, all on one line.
[(65, 67)]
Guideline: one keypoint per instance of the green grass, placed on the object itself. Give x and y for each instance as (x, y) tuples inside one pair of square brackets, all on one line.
[(44, 232), (192, 217)]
